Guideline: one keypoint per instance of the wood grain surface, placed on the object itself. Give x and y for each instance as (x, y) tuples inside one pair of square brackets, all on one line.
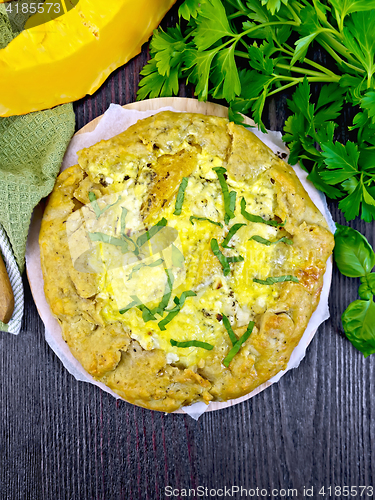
[(66, 440)]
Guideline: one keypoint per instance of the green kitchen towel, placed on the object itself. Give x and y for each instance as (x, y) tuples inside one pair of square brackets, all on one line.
[(31, 150), (32, 147)]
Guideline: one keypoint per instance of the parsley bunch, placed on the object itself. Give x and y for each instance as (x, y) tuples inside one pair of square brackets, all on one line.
[(244, 51)]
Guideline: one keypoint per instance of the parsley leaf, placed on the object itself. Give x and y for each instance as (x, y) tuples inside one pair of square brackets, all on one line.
[(189, 9), (153, 84), (168, 47), (358, 36), (341, 161), (225, 75), (213, 24), (368, 103), (198, 65), (273, 5)]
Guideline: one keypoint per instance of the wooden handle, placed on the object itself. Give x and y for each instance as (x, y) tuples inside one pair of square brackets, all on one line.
[(6, 294)]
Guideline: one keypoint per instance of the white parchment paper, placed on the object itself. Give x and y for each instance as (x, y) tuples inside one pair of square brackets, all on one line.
[(114, 121)]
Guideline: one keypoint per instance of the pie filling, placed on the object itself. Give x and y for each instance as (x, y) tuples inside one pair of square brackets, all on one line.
[(184, 258)]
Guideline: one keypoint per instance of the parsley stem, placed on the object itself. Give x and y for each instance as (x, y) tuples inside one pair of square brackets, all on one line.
[(287, 86), (337, 58), (329, 41), (241, 53), (286, 49), (265, 25), (296, 69), (306, 60), (323, 79), (309, 78), (236, 14), (294, 15), (239, 3)]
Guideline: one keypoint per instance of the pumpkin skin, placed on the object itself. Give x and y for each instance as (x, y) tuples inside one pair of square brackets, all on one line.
[(71, 56)]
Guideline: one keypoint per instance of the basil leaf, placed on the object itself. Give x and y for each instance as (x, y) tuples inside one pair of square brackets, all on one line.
[(236, 258), (185, 295), (237, 346), (111, 240), (180, 196), (142, 264), (167, 294), (278, 279), (124, 213), (231, 207), (257, 218), (141, 240), (147, 314), (353, 253), (95, 205), (229, 197), (173, 312), (232, 231), (359, 325), (228, 328), (367, 288), (135, 302), (222, 259), (178, 258), (263, 241), (192, 217), (192, 343)]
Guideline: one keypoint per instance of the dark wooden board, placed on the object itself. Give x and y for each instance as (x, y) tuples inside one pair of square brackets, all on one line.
[(66, 440)]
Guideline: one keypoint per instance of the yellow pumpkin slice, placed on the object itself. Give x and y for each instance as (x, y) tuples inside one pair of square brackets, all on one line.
[(71, 56)]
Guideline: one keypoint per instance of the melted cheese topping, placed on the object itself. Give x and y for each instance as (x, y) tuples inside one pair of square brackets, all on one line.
[(235, 295)]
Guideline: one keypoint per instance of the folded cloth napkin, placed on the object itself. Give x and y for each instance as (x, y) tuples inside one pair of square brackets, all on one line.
[(31, 151)]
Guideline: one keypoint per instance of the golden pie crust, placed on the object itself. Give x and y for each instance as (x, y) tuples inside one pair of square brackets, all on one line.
[(166, 146)]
